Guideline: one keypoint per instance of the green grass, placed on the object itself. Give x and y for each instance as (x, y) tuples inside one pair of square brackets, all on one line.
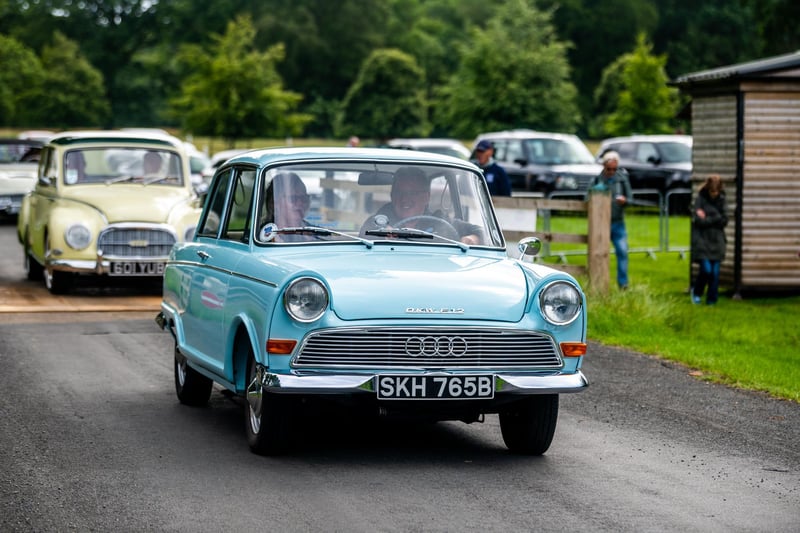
[(750, 343)]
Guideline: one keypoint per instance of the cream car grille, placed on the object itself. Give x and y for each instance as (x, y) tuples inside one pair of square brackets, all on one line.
[(428, 347), (140, 242)]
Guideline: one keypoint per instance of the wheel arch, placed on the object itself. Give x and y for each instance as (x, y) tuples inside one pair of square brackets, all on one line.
[(243, 342)]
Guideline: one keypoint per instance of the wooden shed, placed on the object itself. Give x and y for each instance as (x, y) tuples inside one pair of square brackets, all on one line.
[(746, 128)]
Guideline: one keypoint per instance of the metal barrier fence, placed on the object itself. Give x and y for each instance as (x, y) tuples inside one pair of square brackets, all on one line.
[(670, 208)]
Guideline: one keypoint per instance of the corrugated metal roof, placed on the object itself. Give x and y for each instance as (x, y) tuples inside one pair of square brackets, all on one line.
[(750, 68)]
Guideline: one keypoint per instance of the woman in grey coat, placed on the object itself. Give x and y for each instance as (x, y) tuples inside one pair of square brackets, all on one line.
[(708, 238)]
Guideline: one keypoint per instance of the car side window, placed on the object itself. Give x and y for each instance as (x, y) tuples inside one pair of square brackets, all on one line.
[(514, 151), (645, 152), (500, 150), (237, 224), (216, 204), (47, 167)]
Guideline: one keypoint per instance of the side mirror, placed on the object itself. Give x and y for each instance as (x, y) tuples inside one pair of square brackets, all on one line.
[(654, 159), (529, 246), (521, 161)]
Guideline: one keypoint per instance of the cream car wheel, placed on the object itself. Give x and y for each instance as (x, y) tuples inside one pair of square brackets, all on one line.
[(57, 282)]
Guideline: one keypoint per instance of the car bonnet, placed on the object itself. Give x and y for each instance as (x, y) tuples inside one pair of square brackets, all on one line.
[(396, 284), (144, 204)]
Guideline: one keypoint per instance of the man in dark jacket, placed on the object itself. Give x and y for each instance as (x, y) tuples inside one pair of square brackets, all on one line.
[(708, 238), (496, 177)]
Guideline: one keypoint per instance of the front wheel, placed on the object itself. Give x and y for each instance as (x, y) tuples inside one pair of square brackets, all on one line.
[(192, 387), (57, 282), (267, 415), (528, 425), (33, 270)]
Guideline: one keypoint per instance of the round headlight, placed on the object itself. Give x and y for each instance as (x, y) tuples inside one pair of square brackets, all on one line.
[(305, 299), (78, 236), (560, 303)]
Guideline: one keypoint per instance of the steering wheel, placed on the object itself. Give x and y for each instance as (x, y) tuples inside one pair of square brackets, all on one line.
[(445, 229)]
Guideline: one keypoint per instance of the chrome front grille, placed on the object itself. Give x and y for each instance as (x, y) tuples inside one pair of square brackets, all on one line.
[(135, 242), (427, 347)]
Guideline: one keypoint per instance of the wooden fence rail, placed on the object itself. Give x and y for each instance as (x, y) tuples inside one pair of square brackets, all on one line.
[(597, 237)]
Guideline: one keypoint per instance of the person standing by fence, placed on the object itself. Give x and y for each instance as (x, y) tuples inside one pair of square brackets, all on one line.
[(496, 177), (615, 179), (708, 238)]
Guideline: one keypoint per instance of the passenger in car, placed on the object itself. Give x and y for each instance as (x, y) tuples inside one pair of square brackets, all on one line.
[(152, 164), (75, 166), (409, 208), (286, 204)]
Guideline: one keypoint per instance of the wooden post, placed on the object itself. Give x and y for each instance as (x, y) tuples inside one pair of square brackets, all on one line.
[(599, 239)]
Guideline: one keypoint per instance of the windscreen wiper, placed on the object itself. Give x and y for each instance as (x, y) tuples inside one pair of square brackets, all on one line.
[(413, 233), (325, 232)]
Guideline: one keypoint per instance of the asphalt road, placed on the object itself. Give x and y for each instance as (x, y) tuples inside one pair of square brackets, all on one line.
[(92, 438)]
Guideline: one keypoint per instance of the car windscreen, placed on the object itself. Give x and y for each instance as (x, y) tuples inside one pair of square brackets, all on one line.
[(675, 152), (19, 152), (375, 201), (545, 151), (122, 165)]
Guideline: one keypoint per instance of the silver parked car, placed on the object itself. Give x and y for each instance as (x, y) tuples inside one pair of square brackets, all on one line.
[(548, 163)]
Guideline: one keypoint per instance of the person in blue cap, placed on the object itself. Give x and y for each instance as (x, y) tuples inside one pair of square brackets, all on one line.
[(496, 177)]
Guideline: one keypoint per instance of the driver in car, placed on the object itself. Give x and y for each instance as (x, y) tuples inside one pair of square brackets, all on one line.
[(408, 208)]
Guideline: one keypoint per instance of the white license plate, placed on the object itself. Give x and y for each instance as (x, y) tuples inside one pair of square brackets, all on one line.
[(136, 268), (435, 387)]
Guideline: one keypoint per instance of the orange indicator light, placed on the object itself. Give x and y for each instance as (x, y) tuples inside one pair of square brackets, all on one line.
[(573, 349), (280, 346)]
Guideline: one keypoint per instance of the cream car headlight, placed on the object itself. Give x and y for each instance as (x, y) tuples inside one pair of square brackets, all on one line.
[(560, 303), (305, 299), (78, 236)]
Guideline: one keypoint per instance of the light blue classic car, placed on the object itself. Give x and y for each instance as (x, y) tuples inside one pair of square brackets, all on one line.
[(375, 280)]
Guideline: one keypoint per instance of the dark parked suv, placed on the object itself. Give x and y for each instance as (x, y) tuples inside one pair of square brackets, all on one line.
[(549, 163), (660, 162)]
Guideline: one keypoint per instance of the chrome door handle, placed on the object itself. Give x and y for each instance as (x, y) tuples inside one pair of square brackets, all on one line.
[(203, 255)]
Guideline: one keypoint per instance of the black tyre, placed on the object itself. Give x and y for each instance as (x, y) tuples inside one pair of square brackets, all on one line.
[(192, 387), (528, 425), (267, 416), (33, 270)]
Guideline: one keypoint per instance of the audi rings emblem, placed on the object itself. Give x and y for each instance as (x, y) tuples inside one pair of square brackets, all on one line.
[(436, 346)]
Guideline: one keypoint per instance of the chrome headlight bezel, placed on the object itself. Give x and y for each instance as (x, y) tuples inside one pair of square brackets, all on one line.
[(305, 299), (78, 236), (560, 302)]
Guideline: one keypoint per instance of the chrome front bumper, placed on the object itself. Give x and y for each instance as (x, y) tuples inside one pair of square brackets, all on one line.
[(99, 266), (505, 383)]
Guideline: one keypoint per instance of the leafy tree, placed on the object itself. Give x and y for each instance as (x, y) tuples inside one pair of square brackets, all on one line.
[(20, 77), (326, 43), (703, 35), (634, 94), (600, 30), (513, 74), (387, 98), (73, 92), (777, 25), (235, 91)]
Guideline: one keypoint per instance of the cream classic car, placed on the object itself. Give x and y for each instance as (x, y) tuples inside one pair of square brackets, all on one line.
[(106, 203)]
